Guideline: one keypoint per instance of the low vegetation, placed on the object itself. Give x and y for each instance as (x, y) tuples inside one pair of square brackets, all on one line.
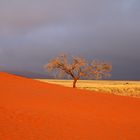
[(124, 88)]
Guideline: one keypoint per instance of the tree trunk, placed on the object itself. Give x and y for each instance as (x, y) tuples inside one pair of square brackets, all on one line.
[(74, 83)]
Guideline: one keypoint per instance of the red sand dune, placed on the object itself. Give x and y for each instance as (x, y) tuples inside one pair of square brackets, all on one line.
[(31, 110)]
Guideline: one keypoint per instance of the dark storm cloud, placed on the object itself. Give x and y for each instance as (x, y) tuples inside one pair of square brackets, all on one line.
[(33, 31)]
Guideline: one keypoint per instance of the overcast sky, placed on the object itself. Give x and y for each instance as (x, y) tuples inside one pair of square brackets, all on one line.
[(34, 31)]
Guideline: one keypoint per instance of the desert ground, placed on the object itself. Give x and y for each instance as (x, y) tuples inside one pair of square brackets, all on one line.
[(34, 110), (124, 88)]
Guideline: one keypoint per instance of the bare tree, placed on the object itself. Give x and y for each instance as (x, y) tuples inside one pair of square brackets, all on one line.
[(78, 68)]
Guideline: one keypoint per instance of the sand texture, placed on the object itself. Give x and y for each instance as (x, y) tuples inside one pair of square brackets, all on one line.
[(33, 110)]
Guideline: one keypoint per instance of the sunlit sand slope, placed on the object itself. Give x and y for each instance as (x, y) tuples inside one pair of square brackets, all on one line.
[(31, 110)]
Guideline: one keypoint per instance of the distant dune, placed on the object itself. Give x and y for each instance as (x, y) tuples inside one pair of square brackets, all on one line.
[(28, 74), (32, 110)]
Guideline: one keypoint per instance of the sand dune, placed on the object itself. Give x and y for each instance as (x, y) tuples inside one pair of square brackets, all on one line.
[(32, 110)]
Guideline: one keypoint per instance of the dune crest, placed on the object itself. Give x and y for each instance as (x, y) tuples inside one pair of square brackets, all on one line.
[(32, 110)]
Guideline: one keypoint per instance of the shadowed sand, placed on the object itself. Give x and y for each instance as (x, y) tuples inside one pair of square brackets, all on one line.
[(32, 110)]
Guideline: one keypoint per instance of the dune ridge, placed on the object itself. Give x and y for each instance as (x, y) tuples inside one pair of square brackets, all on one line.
[(33, 110)]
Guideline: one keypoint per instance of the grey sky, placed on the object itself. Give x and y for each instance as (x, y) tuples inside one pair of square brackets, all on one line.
[(33, 31)]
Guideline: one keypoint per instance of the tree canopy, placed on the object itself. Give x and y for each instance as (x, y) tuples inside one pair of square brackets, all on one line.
[(78, 68)]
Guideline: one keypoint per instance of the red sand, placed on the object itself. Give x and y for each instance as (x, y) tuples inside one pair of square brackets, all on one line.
[(31, 110)]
